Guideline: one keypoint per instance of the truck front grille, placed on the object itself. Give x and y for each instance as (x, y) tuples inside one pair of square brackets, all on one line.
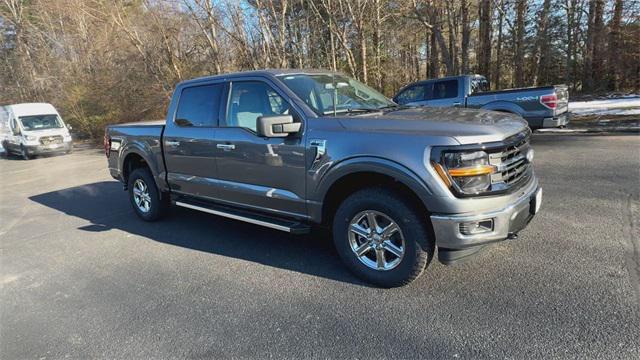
[(511, 162), (48, 140)]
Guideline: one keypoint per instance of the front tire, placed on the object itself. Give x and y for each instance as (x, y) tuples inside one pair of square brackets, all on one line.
[(145, 196), (23, 153), (382, 238)]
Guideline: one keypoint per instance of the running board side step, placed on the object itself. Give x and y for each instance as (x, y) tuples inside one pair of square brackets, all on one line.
[(289, 226)]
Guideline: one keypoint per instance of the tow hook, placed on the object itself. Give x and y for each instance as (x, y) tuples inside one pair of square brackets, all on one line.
[(512, 236)]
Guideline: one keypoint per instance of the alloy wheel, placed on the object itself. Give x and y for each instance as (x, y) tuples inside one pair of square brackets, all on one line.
[(376, 240), (141, 196)]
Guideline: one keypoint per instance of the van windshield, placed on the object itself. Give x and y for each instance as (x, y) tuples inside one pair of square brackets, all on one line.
[(320, 91), (41, 122)]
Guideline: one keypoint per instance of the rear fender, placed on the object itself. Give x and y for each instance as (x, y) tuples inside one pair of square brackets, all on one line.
[(144, 150), (504, 106)]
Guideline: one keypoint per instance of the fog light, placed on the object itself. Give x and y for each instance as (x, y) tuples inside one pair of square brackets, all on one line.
[(476, 227)]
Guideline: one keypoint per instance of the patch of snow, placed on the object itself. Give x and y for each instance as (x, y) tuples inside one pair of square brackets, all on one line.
[(629, 105)]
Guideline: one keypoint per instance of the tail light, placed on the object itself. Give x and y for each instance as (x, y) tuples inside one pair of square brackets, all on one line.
[(107, 144), (550, 101)]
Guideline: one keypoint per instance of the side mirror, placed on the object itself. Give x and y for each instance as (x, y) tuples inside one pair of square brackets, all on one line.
[(277, 126), (183, 122), (69, 127)]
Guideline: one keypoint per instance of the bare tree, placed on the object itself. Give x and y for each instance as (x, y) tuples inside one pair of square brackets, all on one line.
[(518, 59), (484, 43), (542, 43)]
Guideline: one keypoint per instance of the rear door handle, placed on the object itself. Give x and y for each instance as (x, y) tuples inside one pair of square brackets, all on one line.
[(226, 147), (172, 143)]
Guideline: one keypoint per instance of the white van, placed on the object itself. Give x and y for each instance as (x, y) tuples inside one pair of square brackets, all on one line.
[(33, 129)]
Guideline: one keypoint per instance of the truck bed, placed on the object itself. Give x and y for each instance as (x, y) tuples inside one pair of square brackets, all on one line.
[(145, 136), (514, 90)]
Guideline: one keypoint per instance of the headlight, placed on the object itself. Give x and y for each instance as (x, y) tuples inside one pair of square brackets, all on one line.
[(468, 172), (30, 138)]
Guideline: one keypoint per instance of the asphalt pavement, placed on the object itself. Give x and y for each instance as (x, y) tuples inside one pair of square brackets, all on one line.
[(82, 277)]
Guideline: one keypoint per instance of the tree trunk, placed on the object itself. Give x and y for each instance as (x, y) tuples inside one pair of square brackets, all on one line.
[(497, 73), (569, 63), (521, 9), (599, 53), (434, 59), (542, 43), (466, 32), (377, 45), (484, 40), (615, 46), (587, 71)]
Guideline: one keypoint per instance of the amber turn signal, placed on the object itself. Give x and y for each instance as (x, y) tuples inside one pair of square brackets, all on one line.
[(442, 173), (472, 171)]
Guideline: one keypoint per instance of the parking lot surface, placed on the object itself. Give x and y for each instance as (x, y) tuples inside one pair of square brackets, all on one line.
[(82, 277)]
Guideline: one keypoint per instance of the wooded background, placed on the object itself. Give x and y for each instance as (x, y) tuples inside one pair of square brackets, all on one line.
[(106, 61)]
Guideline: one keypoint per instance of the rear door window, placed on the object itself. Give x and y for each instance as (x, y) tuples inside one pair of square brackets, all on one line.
[(199, 106), (412, 94), (445, 89)]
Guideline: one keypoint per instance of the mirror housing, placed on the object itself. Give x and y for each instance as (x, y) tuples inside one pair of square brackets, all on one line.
[(69, 127), (277, 126), (183, 122)]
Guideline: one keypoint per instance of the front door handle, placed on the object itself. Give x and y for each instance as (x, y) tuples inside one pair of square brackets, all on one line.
[(226, 147), (172, 143)]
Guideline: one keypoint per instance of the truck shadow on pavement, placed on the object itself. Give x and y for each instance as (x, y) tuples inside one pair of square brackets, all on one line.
[(107, 207)]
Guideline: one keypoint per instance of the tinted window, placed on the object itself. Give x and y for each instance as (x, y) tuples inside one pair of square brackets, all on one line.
[(250, 100), (412, 94), (199, 106), (445, 89)]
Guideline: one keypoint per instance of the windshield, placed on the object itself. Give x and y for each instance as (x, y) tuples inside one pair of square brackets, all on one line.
[(41, 122), (321, 91)]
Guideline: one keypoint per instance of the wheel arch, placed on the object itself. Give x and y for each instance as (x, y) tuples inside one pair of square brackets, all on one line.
[(358, 173), (504, 106), (133, 157)]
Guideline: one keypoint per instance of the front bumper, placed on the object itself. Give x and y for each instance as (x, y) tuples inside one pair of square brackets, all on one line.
[(507, 222), (47, 149)]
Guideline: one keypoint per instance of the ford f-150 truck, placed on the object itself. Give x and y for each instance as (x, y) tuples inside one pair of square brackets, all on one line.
[(542, 107), (293, 149)]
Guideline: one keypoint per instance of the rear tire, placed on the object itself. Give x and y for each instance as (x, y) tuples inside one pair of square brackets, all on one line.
[(405, 250), (145, 197)]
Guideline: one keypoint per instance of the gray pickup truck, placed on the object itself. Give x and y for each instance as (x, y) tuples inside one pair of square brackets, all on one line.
[(542, 107), (294, 149)]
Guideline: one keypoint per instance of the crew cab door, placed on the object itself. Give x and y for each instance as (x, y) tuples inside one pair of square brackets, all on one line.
[(189, 139), (446, 93), (263, 173)]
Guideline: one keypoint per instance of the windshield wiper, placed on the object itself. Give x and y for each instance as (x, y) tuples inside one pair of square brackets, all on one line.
[(352, 110)]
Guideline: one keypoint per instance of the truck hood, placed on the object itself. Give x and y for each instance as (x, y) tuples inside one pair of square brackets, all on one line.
[(467, 126)]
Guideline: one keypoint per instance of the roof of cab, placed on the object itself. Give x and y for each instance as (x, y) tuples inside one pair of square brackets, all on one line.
[(265, 72), (27, 109)]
